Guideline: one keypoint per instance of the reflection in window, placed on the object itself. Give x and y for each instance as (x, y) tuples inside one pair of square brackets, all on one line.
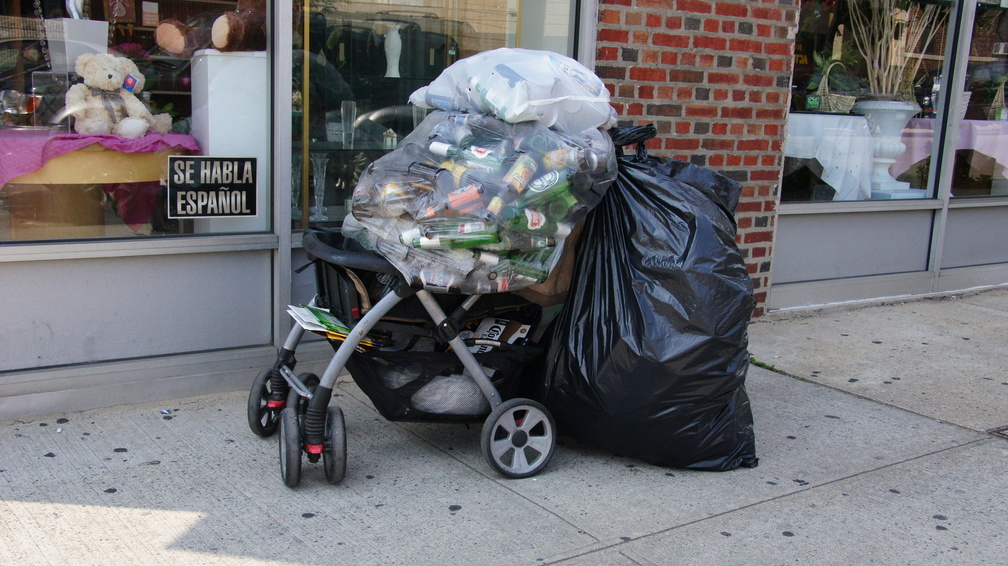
[(865, 79), (362, 60), (59, 190)]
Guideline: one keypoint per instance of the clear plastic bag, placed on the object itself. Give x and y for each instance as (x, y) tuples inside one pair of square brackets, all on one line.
[(473, 204), (519, 85)]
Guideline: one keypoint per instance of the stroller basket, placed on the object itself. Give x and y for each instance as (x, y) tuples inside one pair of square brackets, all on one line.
[(414, 376)]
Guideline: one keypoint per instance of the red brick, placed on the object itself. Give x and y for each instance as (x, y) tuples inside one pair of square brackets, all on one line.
[(650, 56), (734, 160), (745, 222), (749, 160), (772, 14), (770, 113), (722, 78), (669, 58), (613, 35), (719, 129), (747, 206), (685, 76), (701, 111), (718, 144), (758, 80), (660, 4), (785, 49), (752, 237), (669, 40), (764, 175), (640, 37), (673, 22), (727, 27), (610, 16), (633, 18), (646, 74), (708, 42), (607, 53), (682, 128), (763, 30), (694, 6), (720, 94), (745, 45), (682, 144), (646, 92), (737, 112), (733, 10), (712, 26), (653, 20)]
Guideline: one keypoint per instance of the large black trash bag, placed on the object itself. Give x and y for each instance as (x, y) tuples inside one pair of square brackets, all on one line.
[(648, 357)]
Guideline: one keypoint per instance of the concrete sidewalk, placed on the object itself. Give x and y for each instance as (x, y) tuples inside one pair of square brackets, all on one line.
[(853, 470)]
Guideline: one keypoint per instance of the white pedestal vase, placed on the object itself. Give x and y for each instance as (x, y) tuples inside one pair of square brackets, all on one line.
[(393, 50), (886, 120)]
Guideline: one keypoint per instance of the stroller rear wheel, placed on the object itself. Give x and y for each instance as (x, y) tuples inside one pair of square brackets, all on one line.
[(334, 456), (518, 438), (290, 448), (262, 419), (295, 400)]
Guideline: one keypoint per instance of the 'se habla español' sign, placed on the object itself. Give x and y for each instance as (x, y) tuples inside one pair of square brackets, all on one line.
[(211, 187)]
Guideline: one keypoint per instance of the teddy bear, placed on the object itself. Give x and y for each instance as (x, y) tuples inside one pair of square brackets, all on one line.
[(107, 101), (244, 29)]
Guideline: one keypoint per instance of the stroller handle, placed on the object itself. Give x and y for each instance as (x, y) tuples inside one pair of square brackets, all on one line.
[(365, 260)]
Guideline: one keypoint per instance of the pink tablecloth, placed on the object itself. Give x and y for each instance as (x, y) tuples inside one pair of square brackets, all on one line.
[(24, 151), (984, 136)]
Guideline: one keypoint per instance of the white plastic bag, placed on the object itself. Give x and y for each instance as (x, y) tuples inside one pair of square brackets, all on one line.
[(521, 85)]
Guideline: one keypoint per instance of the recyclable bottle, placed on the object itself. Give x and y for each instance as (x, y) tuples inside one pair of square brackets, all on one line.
[(519, 242), (467, 153), (535, 222), (550, 193), (455, 193), (452, 241)]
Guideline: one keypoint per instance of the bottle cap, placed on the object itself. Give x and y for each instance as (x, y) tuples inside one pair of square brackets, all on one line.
[(439, 148)]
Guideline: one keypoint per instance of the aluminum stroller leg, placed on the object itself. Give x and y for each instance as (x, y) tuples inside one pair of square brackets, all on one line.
[(314, 423)]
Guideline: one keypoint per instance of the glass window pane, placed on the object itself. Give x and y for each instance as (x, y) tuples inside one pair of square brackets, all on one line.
[(63, 177), (982, 143), (362, 60), (862, 117)]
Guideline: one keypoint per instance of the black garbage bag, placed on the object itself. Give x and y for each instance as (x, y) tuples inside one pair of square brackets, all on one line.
[(648, 357)]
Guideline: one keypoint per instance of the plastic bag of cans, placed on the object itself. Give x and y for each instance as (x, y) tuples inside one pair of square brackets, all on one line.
[(519, 85), (469, 203)]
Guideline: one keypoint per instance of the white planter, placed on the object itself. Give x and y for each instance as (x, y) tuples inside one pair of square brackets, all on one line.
[(886, 120)]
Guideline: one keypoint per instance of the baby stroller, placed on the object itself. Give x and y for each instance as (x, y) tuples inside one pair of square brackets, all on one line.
[(407, 349)]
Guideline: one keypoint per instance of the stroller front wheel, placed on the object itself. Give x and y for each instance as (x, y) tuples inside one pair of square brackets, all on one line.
[(290, 448), (334, 456), (262, 419), (295, 400), (518, 438)]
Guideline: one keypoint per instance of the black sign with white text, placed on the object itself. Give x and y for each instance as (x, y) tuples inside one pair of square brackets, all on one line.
[(211, 187)]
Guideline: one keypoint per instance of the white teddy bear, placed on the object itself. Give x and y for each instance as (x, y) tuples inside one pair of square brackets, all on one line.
[(107, 102)]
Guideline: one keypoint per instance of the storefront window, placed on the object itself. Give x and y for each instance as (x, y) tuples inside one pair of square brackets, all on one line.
[(362, 60), (982, 144), (862, 116), (92, 160)]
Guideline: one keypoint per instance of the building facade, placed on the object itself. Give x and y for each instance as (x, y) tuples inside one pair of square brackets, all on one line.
[(121, 285)]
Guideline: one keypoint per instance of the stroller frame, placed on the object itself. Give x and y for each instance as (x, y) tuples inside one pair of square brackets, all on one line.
[(518, 437)]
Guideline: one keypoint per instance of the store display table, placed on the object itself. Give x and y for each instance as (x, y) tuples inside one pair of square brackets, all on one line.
[(49, 179), (987, 138), (836, 147)]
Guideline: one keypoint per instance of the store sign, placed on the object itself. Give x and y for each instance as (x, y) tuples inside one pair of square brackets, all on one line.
[(211, 187)]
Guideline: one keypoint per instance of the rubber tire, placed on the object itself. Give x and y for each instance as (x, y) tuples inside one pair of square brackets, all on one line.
[(290, 448), (261, 419), (519, 455), (295, 400), (334, 456)]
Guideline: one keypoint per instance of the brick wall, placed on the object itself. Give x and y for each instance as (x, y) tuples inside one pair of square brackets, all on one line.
[(714, 78)]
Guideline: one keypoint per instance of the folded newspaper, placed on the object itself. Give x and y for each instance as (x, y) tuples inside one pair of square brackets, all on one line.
[(322, 322)]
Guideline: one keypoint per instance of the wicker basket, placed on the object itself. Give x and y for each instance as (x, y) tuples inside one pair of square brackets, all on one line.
[(830, 102)]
